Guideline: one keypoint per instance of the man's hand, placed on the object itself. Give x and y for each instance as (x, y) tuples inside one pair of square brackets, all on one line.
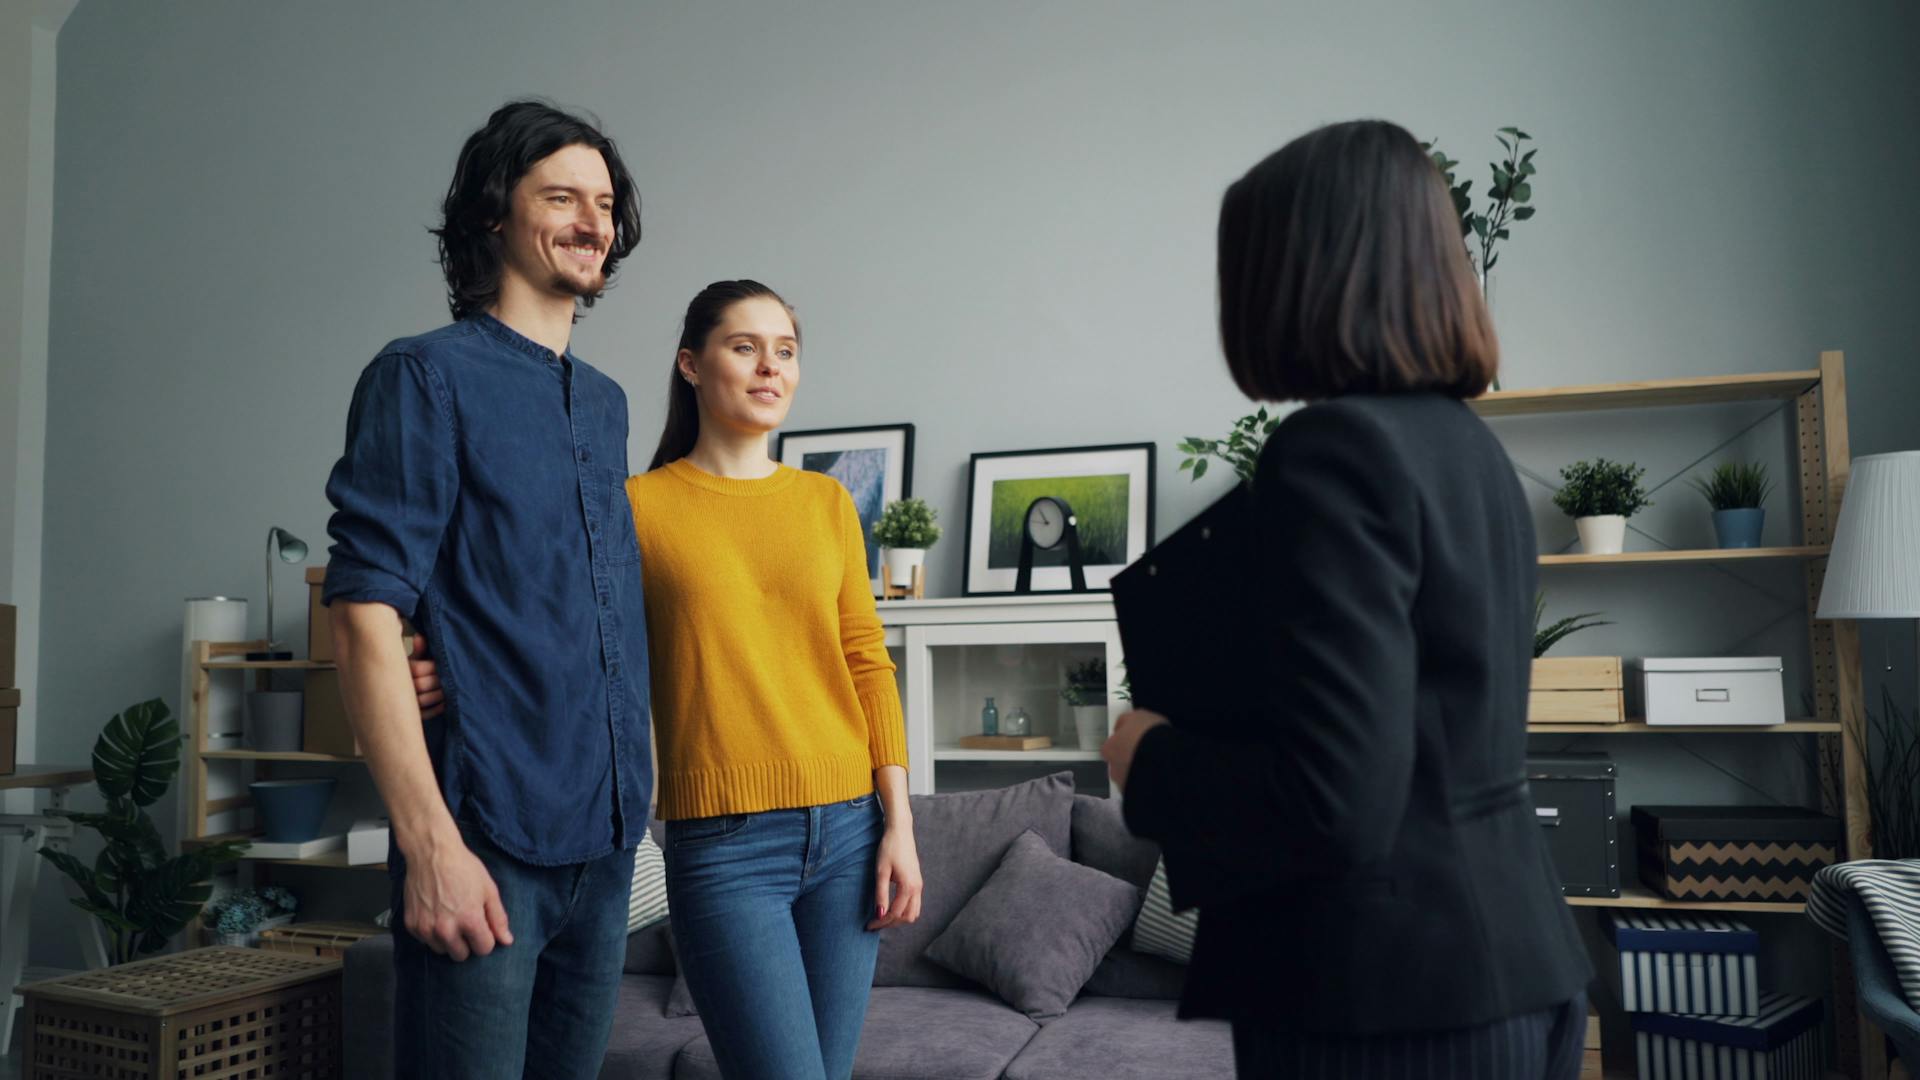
[(426, 680), (452, 904)]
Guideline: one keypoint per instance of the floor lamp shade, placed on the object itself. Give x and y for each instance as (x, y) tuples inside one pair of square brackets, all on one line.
[(1873, 569)]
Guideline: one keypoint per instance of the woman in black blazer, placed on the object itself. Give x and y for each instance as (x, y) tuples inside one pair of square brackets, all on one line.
[(1374, 895)]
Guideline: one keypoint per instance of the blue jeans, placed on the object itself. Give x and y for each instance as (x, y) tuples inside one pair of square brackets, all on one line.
[(770, 915), (541, 1007)]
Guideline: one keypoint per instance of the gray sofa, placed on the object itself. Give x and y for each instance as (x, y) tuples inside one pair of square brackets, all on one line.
[(922, 1022)]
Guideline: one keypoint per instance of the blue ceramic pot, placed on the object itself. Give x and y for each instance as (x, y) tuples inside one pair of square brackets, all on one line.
[(291, 810), (1739, 528)]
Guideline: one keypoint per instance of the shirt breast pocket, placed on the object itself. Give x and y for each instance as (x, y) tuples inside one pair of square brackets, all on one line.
[(622, 545)]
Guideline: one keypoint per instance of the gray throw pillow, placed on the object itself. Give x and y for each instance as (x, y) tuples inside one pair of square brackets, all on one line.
[(679, 998), (1038, 929), (961, 838)]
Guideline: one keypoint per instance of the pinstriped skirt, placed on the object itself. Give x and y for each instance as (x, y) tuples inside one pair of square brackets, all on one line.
[(1544, 1045)]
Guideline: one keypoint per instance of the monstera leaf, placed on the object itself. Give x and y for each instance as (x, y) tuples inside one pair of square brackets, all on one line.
[(138, 754)]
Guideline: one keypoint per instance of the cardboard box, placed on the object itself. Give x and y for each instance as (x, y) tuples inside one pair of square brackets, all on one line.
[(1747, 853), (327, 729), (9, 730), (1787, 1041), (1734, 691), (9, 643), (319, 623), (1683, 962), (1576, 690), (367, 842)]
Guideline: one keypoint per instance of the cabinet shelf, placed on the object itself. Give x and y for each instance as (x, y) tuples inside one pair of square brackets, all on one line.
[(1050, 754), (1638, 727), (267, 665), (1636, 896), (330, 860), (1712, 390), (1705, 555), (293, 756)]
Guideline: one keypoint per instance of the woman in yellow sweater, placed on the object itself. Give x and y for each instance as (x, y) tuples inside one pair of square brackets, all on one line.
[(782, 753), (781, 747)]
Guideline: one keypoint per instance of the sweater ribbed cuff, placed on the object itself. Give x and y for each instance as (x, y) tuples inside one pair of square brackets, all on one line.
[(886, 725)]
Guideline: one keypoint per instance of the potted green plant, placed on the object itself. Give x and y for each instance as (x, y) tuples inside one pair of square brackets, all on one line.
[(1738, 494), (1511, 189), (1600, 496), (142, 895), (1086, 694), (238, 917), (905, 531), (1240, 449), (1546, 637)]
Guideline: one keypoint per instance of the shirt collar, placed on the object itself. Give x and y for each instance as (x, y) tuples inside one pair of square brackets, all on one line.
[(507, 335)]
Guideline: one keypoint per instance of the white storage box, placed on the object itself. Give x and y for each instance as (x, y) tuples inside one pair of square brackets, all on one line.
[(1734, 691), (367, 842)]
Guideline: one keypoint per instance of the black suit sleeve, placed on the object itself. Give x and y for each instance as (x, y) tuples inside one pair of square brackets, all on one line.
[(1320, 784)]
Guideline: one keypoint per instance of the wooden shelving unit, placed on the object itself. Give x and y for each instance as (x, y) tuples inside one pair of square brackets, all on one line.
[(1819, 397), (212, 656), (1639, 897)]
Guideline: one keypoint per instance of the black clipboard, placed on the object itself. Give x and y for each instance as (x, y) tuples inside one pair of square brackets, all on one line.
[(1188, 613)]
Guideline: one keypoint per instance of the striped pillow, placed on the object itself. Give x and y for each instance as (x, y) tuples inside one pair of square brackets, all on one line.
[(1158, 930), (647, 903)]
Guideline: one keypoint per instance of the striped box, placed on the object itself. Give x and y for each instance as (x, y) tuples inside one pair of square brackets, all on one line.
[(1685, 964), (1787, 1041)]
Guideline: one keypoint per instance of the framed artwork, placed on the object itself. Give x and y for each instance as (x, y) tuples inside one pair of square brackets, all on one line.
[(1110, 491), (875, 464)]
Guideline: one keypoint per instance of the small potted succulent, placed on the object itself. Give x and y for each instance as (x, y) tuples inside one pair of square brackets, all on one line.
[(1738, 494), (1086, 694), (905, 531), (238, 917), (1600, 496)]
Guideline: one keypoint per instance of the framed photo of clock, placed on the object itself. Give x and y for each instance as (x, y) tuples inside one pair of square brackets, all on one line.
[(1061, 520), (874, 463)]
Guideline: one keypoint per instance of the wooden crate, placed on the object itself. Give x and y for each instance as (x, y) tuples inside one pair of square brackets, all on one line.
[(1591, 1067), (9, 729), (9, 642), (1577, 690), (325, 939), (326, 729), (319, 622), (214, 1014)]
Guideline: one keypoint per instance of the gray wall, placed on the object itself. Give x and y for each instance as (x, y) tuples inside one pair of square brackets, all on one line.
[(996, 220)]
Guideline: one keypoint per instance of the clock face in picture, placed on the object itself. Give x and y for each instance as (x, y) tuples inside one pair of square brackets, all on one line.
[(1047, 522)]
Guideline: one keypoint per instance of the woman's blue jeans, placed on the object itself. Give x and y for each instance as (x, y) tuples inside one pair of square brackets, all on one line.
[(770, 915)]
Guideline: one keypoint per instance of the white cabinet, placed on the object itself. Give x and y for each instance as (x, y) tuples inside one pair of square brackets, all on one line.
[(954, 654)]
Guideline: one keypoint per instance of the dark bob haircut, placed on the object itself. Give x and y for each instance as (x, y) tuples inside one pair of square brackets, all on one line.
[(516, 138), (1343, 271)]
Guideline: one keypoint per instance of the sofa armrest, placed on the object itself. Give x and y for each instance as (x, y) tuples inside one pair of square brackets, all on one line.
[(367, 1009)]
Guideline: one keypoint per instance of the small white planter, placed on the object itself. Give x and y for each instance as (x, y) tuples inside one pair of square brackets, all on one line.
[(1606, 535), (1090, 721), (900, 564)]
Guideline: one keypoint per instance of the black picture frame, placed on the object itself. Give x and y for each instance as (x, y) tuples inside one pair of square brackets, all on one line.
[(981, 579), (892, 437)]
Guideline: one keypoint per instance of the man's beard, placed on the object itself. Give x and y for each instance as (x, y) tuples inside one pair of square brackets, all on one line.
[(582, 290)]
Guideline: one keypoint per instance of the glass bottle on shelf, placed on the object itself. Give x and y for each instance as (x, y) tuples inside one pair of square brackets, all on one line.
[(990, 719), (1018, 723)]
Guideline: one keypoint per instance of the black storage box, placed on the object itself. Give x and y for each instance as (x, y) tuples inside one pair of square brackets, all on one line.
[(1761, 853), (1573, 800)]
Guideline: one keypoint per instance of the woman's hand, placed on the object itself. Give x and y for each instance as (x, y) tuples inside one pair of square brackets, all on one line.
[(1120, 747), (426, 680), (898, 884)]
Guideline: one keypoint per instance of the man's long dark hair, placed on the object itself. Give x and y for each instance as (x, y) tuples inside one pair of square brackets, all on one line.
[(516, 137), (703, 314)]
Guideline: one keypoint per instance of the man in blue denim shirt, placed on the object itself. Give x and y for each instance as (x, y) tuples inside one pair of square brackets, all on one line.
[(482, 496)]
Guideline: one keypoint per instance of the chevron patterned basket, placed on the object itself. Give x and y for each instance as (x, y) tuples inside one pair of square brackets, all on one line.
[(1760, 853)]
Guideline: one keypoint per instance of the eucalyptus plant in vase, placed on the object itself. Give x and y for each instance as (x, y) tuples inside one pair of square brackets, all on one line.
[(1600, 496), (1086, 694), (1507, 201), (1738, 494)]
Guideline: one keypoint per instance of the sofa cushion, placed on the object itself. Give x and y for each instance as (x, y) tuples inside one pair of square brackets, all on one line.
[(1037, 930), (1122, 1039), (647, 897), (1129, 974), (643, 1045), (1101, 840), (1159, 929), (648, 952), (961, 838), (914, 1032)]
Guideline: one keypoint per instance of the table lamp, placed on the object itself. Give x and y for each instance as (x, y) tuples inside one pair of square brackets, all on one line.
[(288, 548)]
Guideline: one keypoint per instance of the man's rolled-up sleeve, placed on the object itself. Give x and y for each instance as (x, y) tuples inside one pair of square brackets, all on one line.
[(394, 488)]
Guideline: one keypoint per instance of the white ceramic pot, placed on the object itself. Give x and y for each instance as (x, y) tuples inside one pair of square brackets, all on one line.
[(900, 564), (1605, 535), (1090, 721)]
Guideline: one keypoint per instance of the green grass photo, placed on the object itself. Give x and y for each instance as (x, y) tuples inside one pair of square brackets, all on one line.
[(1099, 502)]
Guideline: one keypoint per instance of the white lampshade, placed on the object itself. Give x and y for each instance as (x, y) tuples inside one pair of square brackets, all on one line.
[(1873, 571)]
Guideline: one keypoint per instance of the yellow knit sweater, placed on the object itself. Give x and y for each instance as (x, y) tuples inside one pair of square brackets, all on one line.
[(772, 687)]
